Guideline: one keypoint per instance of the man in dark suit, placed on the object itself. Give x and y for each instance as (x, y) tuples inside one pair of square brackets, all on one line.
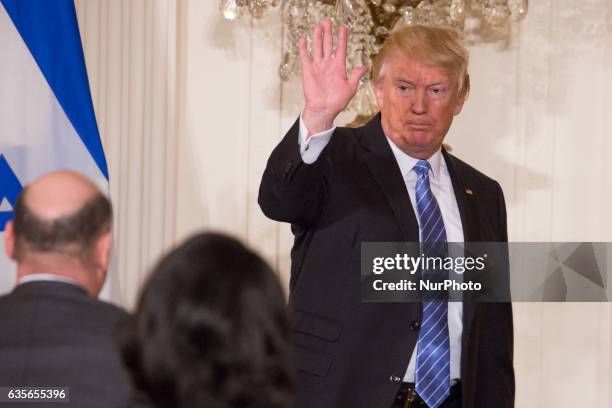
[(54, 330), (388, 181)]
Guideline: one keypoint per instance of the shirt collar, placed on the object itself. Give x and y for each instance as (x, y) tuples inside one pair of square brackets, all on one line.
[(36, 277), (406, 162)]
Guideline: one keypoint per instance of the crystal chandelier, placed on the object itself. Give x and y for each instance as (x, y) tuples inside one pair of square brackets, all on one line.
[(371, 21)]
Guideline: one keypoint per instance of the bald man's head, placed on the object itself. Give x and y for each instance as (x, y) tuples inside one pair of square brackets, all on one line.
[(62, 212)]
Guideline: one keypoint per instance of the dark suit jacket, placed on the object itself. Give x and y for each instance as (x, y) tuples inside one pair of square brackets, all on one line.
[(54, 334), (354, 354)]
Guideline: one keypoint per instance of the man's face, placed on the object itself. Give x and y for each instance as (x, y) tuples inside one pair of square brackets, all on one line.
[(417, 104)]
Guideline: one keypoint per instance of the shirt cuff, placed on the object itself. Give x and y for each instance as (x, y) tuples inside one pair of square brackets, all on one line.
[(311, 147)]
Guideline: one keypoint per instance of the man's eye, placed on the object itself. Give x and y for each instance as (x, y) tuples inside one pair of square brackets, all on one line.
[(404, 89), (437, 91)]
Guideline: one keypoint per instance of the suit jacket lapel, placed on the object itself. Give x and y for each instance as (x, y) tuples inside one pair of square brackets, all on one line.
[(384, 169), (467, 203)]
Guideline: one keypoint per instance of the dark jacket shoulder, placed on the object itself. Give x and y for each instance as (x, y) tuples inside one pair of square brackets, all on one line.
[(470, 173)]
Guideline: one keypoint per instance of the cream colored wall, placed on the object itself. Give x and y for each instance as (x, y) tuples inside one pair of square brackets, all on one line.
[(190, 106)]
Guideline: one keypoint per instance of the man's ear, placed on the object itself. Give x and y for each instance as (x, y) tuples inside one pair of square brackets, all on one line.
[(102, 254), (9, 240), (379, 93), (462, 98), (459, 105)]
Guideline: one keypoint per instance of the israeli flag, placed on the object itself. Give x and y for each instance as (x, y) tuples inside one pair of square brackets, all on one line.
[(47, 120)]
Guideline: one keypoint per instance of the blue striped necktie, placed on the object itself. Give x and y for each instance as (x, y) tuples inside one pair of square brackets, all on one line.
[(432, 376)]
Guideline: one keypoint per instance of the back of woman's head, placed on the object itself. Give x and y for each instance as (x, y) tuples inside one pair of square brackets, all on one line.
[(211, 330)]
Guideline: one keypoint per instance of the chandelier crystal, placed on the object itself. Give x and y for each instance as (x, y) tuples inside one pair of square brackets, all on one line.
[(371, 21)]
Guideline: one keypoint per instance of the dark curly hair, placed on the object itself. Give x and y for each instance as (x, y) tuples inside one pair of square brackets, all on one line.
[(211, 330)]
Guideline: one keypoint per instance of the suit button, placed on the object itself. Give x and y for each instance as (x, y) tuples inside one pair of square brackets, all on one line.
[(414, 325), (395, 379)]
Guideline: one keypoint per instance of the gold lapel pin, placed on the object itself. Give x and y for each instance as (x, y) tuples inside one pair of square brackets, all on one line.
[(469, 192)]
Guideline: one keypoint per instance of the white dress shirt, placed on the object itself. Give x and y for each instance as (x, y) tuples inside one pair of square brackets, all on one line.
[(442, 188), (46, 277)]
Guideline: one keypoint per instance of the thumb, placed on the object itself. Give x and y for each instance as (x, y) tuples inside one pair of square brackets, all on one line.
[(356, 74)]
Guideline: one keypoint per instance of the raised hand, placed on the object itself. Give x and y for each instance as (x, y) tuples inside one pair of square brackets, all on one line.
[(327, 89)]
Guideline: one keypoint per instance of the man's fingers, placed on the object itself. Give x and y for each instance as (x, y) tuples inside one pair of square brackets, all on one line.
[(341, 47), (356, 75), (304, 57), (317, 46), (328, 39)]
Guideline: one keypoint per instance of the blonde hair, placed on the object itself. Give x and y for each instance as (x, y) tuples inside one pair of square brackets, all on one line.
[(435, 46)]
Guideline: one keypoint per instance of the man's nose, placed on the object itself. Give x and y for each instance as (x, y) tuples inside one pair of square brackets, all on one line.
[(419, 102)]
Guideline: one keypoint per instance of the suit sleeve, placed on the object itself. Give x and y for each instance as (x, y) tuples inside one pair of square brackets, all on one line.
[(292, 190)]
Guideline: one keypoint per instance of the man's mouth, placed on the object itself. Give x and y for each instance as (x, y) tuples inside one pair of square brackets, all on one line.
[(418, 125)]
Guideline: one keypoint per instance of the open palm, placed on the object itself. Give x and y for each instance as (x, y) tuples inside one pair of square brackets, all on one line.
[(327, 88)]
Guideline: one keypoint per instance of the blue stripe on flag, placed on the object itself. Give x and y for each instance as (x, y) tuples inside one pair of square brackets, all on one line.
[(51, 32), (10, 187)]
